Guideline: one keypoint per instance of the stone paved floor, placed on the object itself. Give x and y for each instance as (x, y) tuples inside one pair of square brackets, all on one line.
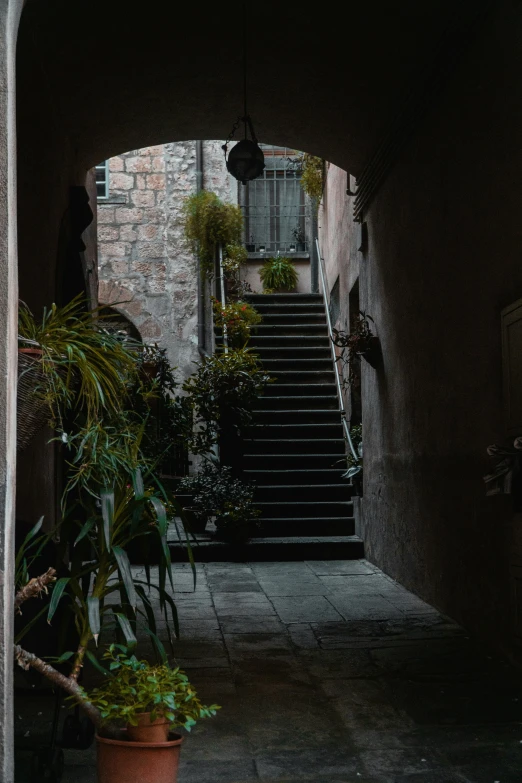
[(332, 672)]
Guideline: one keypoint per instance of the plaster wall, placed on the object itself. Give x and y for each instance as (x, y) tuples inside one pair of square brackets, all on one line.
[(443, 259)]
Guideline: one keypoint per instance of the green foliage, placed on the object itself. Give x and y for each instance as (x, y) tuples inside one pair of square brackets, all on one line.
[(134, 687), (278, 273), (208, 222), (84, 365), (223, 383), (311, 170), (238, 318), (214, 490), (233, 256), (97, 534)]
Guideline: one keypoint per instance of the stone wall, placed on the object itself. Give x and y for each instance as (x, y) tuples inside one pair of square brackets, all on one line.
[(145, 263)]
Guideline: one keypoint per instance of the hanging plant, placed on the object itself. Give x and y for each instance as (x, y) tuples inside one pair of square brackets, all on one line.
[(233, 256), (208, 222), (359, 341)]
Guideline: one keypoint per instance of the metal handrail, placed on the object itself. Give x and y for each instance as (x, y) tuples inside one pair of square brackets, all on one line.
[(322, 272), (223, 297)]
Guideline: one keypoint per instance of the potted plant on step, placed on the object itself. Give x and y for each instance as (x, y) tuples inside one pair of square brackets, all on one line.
[(140, 705), (278, 275)]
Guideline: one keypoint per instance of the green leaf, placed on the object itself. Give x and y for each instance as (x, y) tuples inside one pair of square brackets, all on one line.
[(97, 665), (87, 527), (149, 611), (93, 611), (125, 570), (137, 483), (65, 657), (160, 649), (56, 595), (126, 627), (31, 534), (107, 509), (161, 514)]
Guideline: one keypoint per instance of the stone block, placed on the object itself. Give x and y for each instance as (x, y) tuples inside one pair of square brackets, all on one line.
[(157, 149), (128, 215), (108, 233), (308, 609), (156, 181), (116, 164), (149, 231), (154, 215), (141, 182), (120, 181), (116, 249), (150, 329), (158, 164), (128, 233), (143, 198), (105, 214), (138, 164), (150, 249), (119, 268)]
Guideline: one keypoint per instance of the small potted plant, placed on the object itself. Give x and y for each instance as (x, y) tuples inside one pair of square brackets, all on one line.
[(238, 318), (140, 705), (278, 274), (359, 341), (299, 238), (251, 246)]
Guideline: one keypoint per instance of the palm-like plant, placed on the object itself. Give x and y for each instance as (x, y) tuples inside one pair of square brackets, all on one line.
[(83, 364), (100, 569)]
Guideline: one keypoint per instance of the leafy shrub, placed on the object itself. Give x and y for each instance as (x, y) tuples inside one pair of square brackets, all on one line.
[(208, 222), (134, 687), (223, 383), (233, 256), (216, 491), (278, 273), (238, 317)]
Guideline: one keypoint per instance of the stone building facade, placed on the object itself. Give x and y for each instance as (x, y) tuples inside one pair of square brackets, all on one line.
[(146, 268)]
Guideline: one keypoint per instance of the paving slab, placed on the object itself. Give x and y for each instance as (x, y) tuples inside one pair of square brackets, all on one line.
[(326, 671)]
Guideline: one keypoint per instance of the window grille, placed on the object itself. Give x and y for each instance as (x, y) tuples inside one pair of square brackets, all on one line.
[(274, 206), (102, 180)]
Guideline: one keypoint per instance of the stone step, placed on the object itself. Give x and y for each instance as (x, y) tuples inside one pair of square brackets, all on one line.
[(312, 509), (269, 549), (290, 401), (277, 308), (259, 342), (307, 430), (296, 415), (308, 390), (303, 378), (276, 366), (291, 447), (285, 353), (277, 299), (308, 461), (298, 476), (268, 329), (306, 526), (294, 319), (300, 493)]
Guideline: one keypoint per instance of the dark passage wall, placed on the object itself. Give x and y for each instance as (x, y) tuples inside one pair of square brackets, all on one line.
[(444, 257)]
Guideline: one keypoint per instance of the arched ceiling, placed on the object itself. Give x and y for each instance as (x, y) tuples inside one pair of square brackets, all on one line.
[(120, 76)]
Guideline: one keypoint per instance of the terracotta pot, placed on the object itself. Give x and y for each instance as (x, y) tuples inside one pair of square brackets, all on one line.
[(147, 730), (35, 352), (121, 761)]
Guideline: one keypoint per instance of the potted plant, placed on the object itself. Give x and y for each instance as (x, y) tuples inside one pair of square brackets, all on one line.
[(147, 703), (251, 246), (68, 360), (217, 492), (278, 274), (237, 318), (355, 464), (299, 238), (224, 387), (359, 341)]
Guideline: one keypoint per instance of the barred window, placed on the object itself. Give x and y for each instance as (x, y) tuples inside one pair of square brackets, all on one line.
[(102, 180), (274, 205)]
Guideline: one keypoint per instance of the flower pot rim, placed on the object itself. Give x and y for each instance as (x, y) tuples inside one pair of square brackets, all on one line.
[(178, 739), (31, 350)]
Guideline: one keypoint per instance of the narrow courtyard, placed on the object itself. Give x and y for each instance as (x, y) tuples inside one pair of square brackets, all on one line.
[(331, 671)]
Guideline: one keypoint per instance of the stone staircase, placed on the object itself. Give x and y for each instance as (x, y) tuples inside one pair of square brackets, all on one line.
[(294, 450)]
